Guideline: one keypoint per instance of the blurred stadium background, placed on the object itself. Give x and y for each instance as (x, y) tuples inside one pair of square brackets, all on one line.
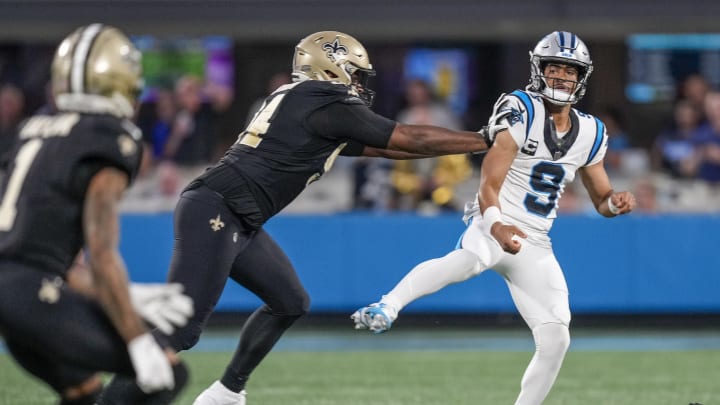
[(649, 281)]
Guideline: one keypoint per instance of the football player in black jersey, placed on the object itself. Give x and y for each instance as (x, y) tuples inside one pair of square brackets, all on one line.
[(65, 177), (292, 140)]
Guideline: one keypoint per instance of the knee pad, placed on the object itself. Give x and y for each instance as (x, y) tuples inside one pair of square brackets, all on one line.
[(184, 338), (295, 305), (463, 258), (552, 339)]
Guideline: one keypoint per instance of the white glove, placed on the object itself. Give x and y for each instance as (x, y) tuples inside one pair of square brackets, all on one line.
[(162, 305), (153, 371), (498, 120)]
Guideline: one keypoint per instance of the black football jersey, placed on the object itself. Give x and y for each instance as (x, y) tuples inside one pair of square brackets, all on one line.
[(43, 191), (292, 140)]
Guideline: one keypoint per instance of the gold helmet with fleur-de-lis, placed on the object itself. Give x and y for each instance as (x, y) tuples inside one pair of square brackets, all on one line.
[(334, 56)]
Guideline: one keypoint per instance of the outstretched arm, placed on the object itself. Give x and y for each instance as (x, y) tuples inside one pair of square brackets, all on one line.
[(369, 151), (607, 202), (429, 140)]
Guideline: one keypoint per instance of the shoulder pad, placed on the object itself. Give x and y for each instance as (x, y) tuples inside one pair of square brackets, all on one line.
[(117, 141)]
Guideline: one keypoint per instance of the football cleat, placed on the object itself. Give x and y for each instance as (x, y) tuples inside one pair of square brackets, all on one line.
[(376, 317), (217, 394)]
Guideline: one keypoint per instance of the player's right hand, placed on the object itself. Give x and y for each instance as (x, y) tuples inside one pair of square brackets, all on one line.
[(508, 236), (162, 305), (489, 132), (497, 121), (153, 371)]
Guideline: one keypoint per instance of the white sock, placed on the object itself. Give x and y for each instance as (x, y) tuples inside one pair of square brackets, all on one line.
[(432, 275), (551, 343)]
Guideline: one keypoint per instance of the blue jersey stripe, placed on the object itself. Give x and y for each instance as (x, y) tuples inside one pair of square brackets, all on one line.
[(598, 140), (458, 245), (525, 99)]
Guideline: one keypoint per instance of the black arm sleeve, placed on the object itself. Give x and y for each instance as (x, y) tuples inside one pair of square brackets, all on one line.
[(352, 122), (353, 148)]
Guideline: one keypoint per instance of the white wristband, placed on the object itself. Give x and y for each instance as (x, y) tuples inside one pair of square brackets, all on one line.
[(491, 215), (613, 209)]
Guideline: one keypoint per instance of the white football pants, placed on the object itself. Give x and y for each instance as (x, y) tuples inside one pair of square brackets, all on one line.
[(537, 286)]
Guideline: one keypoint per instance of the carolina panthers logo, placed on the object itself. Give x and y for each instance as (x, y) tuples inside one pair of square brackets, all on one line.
[(515, 116), (334, 49)]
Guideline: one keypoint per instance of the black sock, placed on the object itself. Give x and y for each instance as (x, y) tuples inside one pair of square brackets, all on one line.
[(260, 333)]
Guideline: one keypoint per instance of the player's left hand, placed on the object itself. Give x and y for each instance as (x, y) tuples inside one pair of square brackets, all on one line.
[(153, 371), (162, 305), (624, 201)]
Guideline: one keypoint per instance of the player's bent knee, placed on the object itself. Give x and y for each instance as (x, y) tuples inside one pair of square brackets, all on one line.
[(185, 338), (467, 260), (293, 305), (552, 339)]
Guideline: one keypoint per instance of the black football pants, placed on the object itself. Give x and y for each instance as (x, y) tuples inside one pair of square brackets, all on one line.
[(211, 245), (55, 333)]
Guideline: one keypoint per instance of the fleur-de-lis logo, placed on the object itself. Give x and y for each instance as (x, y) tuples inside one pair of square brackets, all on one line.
[(127, 145), (334, 49), (216, 224), (49, 291)]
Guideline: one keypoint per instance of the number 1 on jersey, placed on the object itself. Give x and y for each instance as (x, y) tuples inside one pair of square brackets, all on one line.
[(23, 161)]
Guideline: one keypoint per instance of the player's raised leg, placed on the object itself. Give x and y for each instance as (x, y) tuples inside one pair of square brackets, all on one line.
[(424, 279)]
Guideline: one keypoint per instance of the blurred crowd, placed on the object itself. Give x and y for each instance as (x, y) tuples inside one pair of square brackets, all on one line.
[(189, 125)]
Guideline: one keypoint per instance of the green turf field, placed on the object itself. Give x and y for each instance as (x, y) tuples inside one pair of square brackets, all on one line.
[(413, 378)]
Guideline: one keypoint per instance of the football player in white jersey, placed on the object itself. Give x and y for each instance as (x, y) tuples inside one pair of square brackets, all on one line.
[(541, 141)]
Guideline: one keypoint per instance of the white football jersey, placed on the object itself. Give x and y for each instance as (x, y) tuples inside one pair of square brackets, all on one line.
[(544, 163)]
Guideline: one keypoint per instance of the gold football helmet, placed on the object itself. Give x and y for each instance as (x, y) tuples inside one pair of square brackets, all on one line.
[(334, 56), (97, 69)]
